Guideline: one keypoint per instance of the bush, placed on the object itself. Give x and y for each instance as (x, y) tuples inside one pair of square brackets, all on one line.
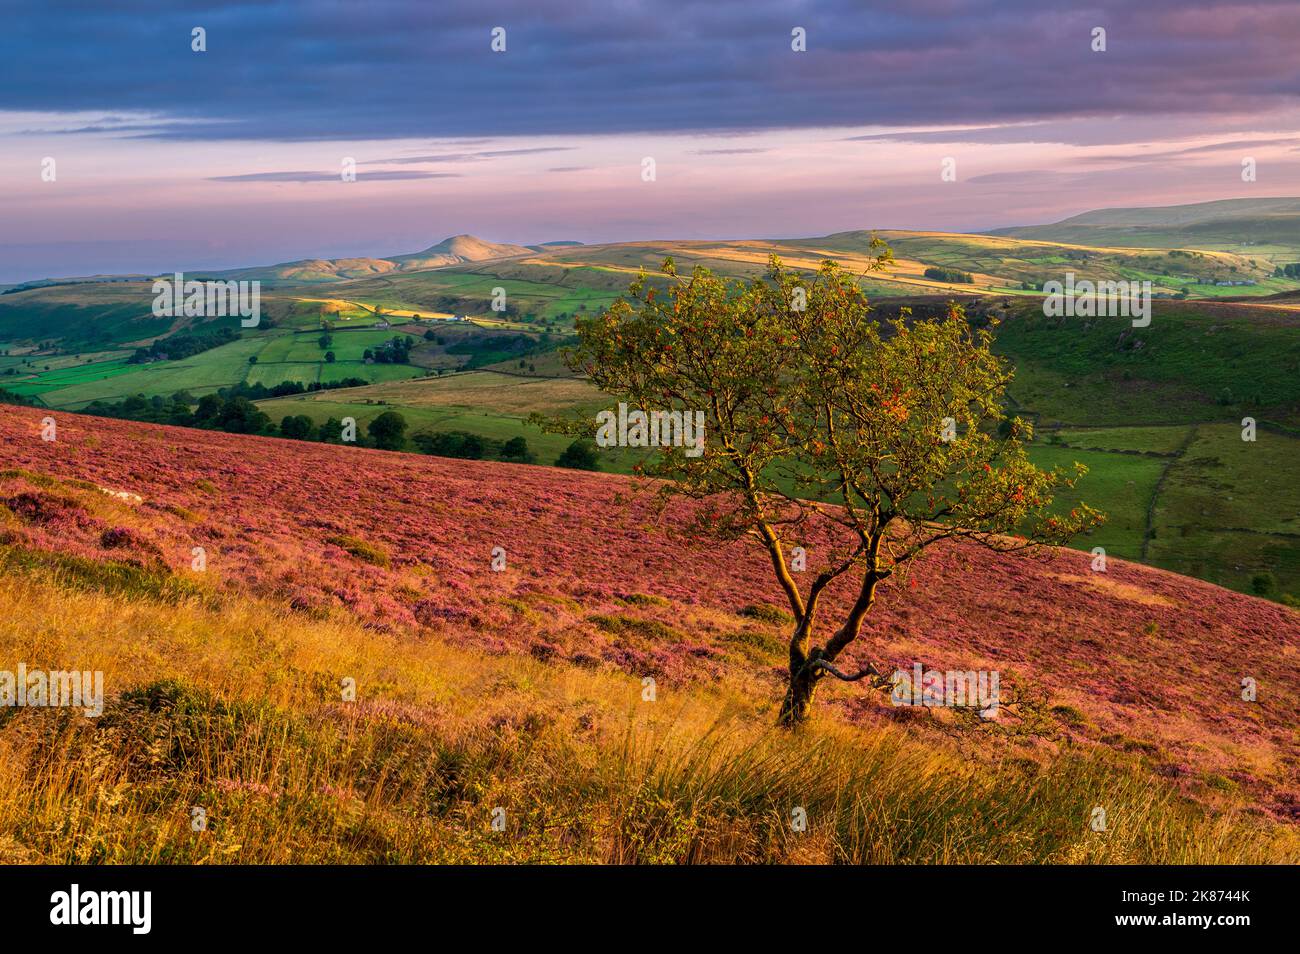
[(1262, 584), (241, 416), (952, 275), (516, 449), (767, 613), (458, 444), (388, 431), (580, 455), (8, 397), (331, 432), (361, 549), (298, 427), (184, 344)]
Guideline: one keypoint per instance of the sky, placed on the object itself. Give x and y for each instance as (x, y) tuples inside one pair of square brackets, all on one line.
[(166, 158)]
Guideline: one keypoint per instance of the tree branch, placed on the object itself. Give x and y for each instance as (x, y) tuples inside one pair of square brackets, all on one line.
[(879, 680)]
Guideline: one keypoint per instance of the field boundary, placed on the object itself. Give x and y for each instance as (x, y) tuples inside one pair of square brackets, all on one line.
[(1192, 432)]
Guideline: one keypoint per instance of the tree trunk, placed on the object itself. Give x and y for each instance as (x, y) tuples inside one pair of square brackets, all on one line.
[(797, 707)]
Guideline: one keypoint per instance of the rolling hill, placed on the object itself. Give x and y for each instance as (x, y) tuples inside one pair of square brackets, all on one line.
[(325, 562), (456, 250), (1265, 229), (558, 279), (1202, 366)]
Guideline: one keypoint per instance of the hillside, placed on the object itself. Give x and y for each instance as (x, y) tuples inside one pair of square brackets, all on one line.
[(456, 250), (555, 281), (1193, 375), (1137, 663), (1268, 229), (547, 285)]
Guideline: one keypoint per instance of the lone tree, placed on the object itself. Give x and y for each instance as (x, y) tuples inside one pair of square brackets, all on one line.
[(580, 455), (861, 442), (388, 431)]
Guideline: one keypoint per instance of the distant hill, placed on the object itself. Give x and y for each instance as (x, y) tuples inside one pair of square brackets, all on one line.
[(555, 280), (457, 250), (542, 247), (925, 263), (1268, 228), (79, 280)]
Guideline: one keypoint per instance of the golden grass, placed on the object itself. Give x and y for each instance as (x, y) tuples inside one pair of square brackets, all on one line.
[(238, 710), (477, 390)]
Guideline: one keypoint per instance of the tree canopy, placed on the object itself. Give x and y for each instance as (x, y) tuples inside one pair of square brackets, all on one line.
[(860, 441)]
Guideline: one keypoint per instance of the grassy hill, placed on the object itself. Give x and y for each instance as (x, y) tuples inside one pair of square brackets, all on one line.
[(1125, 402), (451, 251), (1137, 406), (523, 689), (90, 316), (492, 404), (542, 281), (547, 285), (1202, 365), (1267, 230)]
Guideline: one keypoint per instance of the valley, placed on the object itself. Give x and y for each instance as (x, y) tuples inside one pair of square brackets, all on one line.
[(1151, 412)]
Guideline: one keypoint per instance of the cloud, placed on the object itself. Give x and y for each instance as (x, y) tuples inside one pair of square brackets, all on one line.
[(1027, 176), (331, 176), (314, 70), (466, 156)]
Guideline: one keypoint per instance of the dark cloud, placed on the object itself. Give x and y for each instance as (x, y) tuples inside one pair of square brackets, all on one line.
[(335, 69)]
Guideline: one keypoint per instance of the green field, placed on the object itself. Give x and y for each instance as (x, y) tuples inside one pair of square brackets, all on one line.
[(1121, 485), (281, 355), (1193, 363), (201, 374), (1230, 509), (67, 377), (434, 419), (544, 293), (1143, 440)]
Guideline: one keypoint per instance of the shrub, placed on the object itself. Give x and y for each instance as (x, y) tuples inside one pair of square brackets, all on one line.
[(388, 431), (361, 549), (516, 449), (767, 613), (1262, 584), (580, 455), (297, 427), (458, 444)]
